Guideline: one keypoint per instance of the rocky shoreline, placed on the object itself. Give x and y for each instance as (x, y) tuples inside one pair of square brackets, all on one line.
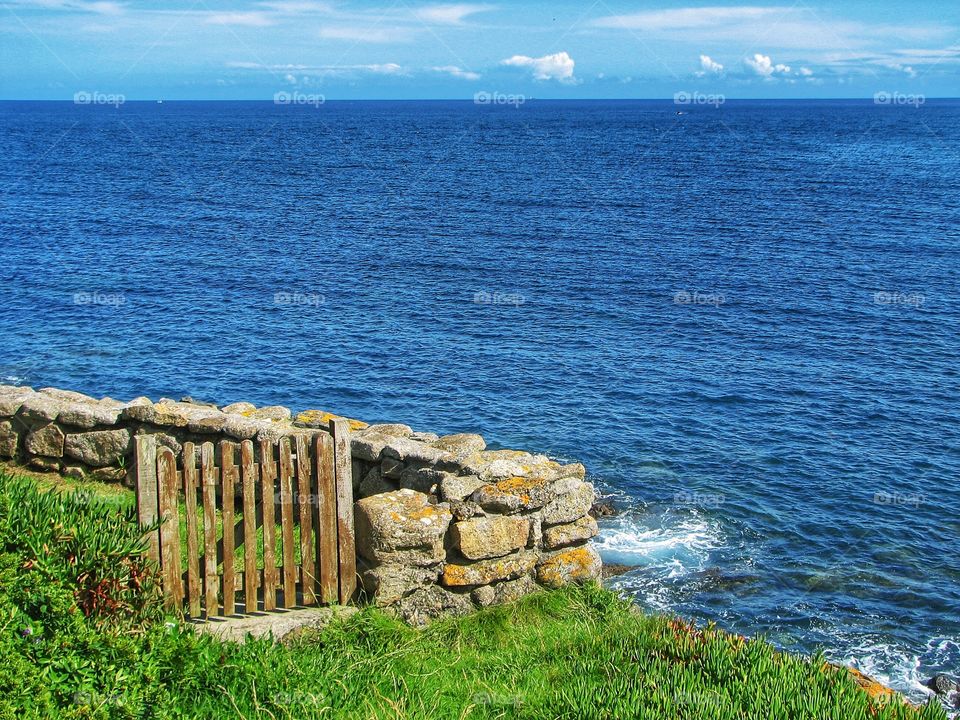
[(443, 524)]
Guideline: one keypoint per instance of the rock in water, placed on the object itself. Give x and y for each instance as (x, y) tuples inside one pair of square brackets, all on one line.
[(943, 685), (602, 509)]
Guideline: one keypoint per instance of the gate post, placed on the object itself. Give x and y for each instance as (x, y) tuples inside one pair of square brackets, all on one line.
[(347, 549), (148, 501)]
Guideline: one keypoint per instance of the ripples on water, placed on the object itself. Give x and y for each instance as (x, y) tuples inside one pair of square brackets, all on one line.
[(786, 441)]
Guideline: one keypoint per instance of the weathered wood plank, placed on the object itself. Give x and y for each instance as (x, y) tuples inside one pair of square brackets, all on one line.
[(268, 477), (346, 547), (327, 519), (148, 499), (286, 520), (170, 530), (190, 508), (250, 474), (229, 474), (211, 576), (305, 504)]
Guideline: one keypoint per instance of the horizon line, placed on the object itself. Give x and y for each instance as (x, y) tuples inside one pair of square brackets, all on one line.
[(527, 98)]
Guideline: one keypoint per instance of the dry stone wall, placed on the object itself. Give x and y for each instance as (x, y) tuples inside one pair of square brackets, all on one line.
[(443, 525)]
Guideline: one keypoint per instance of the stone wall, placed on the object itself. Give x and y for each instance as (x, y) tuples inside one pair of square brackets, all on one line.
[(442, 523)]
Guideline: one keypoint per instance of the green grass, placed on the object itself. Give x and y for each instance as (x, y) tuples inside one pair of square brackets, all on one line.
[(576, 653)]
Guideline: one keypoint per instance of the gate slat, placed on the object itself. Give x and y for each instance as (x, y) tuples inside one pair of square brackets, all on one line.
[(249, 470), (346, 551), (268, 476), (211, 577), (326, 519), (170, 530), (190, 508), (228, 469), (286, 518), (148, 494), (306, 502)]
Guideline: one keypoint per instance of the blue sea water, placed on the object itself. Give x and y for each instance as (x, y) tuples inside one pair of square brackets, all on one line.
[(744, 320)]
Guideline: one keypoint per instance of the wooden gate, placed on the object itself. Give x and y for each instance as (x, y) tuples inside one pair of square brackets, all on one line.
[(254, 526)]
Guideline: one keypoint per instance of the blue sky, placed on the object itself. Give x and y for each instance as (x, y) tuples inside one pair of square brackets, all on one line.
[(207, 49)]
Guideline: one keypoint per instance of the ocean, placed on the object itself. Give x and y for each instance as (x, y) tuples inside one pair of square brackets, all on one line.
[(744, 319)]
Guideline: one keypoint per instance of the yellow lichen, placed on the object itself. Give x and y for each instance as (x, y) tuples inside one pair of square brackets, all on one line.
[(517, 486), (569, 566), (321, 417)]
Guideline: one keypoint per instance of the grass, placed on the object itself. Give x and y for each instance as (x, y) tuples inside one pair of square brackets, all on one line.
[(576, 653)]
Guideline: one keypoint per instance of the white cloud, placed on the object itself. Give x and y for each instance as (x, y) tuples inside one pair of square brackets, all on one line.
[(806, 72), (297, 7), (908, 69), (324, 70), (457, 72), (366, 34), (103, 7), (708, 65), (246, 19), (449, 14), (687, 18), (763, 66), (381, 69), (558, 66), (795, 26)]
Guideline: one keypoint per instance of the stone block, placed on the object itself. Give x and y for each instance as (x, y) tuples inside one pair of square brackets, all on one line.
[(522, 493), (386, 584), (368, 445), (504, 592), (489, 537), (99, 448), (9, 440), (374, 484), (40, 409), (12, 398), (460, 445), (484, 572), (394, 524), (571, 505), (424, 480), (426, 604), (89, 415), (46, 441), (557, 536), (391, 429), (459, 487), (573, 565)]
